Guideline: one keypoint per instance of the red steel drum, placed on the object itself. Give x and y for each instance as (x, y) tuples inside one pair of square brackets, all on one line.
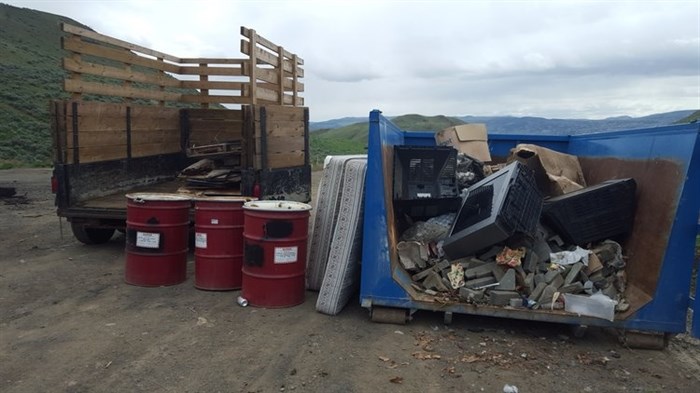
[(156, 239), (274, 256), (218, 253)]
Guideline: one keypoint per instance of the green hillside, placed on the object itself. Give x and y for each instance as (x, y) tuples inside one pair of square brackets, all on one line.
[(31, 76), (352, 139), (692, 118)]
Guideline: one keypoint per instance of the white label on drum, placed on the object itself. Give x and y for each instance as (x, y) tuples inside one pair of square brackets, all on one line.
[(214, 221), (200, 240), (147, 240), (286, 254)]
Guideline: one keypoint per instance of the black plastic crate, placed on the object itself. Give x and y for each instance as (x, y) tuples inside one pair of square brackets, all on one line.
[(494, 209), (594, 213), (425, 182), (424, 172)]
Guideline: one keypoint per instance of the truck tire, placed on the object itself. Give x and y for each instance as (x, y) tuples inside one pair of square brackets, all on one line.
[(89, 235)]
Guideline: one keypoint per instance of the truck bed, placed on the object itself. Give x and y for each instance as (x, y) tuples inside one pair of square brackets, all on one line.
[(118, 199)]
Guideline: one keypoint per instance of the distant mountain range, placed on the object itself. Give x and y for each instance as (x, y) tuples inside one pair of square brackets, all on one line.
[(539, 125)]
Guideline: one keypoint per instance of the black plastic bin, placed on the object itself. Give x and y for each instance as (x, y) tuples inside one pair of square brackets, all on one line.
[(494, 209), (425, 182), (593, 213)]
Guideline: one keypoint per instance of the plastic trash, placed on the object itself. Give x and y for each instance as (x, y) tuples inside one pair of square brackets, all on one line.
[(597, 305), (570, 257), (431, 230)]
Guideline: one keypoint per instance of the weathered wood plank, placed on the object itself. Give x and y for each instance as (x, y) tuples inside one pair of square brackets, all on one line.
[(213, 85), (98, 153), (284, 144), (248, 33), (215, 124), (215, 114), (225, 71), (116, 42), (282, 129), (281, 160), (83, 67), (275, 113), (99, 138), (79, 86), (270, 58), (211, 137), (74, 44), (152, 149), (212, 60), (214, 99), (164, 137)]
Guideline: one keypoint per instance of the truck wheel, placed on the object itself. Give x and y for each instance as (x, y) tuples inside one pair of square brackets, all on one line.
[(88, 235)]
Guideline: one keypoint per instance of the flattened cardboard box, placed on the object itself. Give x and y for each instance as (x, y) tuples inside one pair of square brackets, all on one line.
[(470, 139)]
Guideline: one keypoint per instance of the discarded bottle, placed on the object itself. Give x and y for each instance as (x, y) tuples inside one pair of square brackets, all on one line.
[(243, 302)]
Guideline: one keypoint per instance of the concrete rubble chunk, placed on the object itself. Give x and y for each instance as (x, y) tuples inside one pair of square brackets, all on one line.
[(535, 295), (531, 261), (547, 294), (502, 298), (480, 282), (434, 281), (425, 273), (573, 273), (507, 282), (471, 295), (557, 281), (498, 272), (530, 282), (539, 279), (480, 271), (573, 288), (412, 255), (551, 275)]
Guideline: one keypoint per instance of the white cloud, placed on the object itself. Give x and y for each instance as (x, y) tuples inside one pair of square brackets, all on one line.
[(555, 59)]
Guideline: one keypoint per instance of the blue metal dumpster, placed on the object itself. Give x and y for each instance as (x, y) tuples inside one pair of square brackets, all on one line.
[(664, 161)]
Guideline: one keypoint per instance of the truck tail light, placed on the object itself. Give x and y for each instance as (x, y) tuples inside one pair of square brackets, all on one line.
[(54, 184)]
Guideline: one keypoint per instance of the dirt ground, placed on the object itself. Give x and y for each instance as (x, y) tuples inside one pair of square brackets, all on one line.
[(68, 322)]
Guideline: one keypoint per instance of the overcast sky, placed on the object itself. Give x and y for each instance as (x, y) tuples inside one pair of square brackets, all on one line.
[(566, 59)]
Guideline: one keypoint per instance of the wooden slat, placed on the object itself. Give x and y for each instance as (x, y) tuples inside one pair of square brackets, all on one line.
[(225, 71), (215, 114), (282, 160), (282, 113), (154, 112), (213, 85), (204, 60), (270, 76), (71, 85), (99, 138), (117, 42), (288, 85), (248, 33), (152, 149), (215, 124), (287, 101), (208, 137), (74, 44), (82, 67), (165, 137), (98, 153), (268, 58), (278, 129), (284, 144), (211, 99)]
